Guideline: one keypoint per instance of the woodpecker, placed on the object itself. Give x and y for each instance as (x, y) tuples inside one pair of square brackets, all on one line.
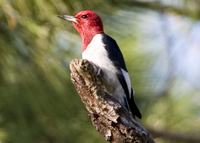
[(103, 51)]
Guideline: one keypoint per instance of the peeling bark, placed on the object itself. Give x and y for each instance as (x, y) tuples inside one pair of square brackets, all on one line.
[(114, 122)]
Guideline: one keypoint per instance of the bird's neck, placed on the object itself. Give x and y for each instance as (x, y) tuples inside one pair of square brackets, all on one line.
[(87, 37), (86, 41)]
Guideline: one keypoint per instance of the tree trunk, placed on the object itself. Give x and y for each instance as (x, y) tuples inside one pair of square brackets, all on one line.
[(108, 117)]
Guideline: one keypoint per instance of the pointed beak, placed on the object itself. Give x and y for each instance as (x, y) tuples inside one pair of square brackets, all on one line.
[(68, 17)]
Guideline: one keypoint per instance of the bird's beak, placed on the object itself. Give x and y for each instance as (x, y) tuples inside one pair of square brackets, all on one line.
[(68, 17)]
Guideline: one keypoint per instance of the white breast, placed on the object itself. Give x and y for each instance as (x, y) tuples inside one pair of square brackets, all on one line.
[(97, 53)]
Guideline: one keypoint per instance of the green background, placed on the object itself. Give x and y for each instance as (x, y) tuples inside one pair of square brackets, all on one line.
[(160, 43)]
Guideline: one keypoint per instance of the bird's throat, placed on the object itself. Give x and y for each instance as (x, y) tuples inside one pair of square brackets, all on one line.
[(87, 38), (86, 41)]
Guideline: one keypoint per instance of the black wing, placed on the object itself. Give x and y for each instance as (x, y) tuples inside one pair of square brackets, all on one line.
[(117, 58)]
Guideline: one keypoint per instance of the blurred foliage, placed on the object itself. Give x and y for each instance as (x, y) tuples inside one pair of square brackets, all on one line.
[(38, 103)]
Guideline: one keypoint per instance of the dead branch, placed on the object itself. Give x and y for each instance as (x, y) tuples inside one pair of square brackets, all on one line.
[(107, 115)]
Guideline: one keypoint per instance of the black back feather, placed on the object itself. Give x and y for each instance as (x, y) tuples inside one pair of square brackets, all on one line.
[(117, 58)]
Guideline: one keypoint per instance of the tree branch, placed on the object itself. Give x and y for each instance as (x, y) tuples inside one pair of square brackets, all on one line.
[(107, 115), (175, 136), (158, 6)]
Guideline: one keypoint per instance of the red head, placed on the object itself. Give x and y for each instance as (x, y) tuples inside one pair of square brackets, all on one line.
[(87, 23)]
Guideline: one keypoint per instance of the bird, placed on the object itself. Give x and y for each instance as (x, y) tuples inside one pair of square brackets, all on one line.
[(103, 51)]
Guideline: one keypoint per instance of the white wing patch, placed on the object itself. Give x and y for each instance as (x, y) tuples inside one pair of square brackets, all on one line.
[(128, 81)]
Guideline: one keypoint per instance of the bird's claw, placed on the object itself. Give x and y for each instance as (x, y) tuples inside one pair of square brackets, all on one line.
[(99, 72)]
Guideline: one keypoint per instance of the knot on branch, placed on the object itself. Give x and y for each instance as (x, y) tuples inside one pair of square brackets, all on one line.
[(107, 115)]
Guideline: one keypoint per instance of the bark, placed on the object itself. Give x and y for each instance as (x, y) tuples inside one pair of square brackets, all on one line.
[(114, 122)]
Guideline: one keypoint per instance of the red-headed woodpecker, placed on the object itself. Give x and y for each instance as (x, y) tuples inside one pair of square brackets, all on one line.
[(103, 51)]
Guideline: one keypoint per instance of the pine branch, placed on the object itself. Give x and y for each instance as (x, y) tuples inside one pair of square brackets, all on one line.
[(107, 115)]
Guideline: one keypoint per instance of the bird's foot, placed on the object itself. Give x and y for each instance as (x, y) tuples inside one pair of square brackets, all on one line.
[(99, 73)]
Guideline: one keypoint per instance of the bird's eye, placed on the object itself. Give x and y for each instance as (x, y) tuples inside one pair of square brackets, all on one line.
[(85, 16)]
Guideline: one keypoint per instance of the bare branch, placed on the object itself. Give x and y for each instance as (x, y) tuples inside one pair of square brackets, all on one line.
[(107, 115)]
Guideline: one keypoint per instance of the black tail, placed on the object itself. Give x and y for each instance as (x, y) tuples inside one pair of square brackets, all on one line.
[(134, 109)]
